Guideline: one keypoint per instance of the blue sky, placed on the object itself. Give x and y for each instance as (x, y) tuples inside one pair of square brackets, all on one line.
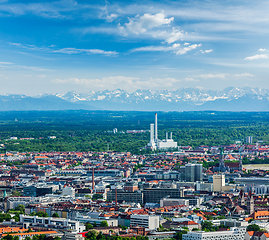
[(83, 46)]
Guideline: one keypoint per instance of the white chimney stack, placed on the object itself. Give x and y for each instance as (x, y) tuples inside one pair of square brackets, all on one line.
[(156, 128), (151, 133)]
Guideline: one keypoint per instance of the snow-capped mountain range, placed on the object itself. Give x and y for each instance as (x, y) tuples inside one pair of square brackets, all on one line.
[(184, 99)]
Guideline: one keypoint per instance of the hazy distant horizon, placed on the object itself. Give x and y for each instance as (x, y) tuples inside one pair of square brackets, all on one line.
[(83, 46)]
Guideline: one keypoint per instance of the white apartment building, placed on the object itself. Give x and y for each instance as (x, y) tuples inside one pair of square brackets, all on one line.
[(69, 191), (147, 221), (173, 201), (13, 202), (61, 223), (96, 220), (233, 234)]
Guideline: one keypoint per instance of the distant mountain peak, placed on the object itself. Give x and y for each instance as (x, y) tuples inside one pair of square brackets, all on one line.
[(183, 99)]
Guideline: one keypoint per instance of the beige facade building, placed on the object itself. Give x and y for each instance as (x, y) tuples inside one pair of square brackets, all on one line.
[(219, 184)]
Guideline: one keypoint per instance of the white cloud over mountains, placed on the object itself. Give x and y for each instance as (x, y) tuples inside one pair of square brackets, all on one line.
[(209, 75), (129, 84), (244, 75)]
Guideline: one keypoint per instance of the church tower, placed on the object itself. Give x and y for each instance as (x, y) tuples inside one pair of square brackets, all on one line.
[(221, 162), (250, 203), (230, 203), (241, 198), (240, 162)]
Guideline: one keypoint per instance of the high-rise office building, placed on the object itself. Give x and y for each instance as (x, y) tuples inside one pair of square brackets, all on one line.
[(191, 172), (249, 139)]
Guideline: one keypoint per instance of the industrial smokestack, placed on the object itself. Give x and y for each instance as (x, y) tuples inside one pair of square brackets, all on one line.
[(151, 133), (166, 135), (116, 197), (92, 179), (156, 128)]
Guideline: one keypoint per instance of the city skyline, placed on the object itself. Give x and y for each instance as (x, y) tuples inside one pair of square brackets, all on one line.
[(62, 46)]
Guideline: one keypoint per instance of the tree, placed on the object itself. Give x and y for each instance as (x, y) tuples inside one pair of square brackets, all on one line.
[(207, 226), (56, 215), (250, 220), (92, 234), (103, 224), (57, 238), (253, 227), (8, 237), (16, 218), (33, 213), (122, 227), (178, 235), (97, 196), (29, 230), (20, 208), (100, 236), (15, 193), (42, 214), (7, 217), (161, 228), (88, 226), (209, 217)]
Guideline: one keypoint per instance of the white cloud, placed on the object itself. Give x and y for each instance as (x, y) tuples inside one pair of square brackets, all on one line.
[(150, 26), (175, 35), (244, 75), (206, 76), (42, 76), (257, 56), (27, 46), (206, 51), (37, 69), (129, 84), (152, 49), (111, 17), (146, 22), (88, 51), (108, 16), (190, 79), (5, 63), (9, 65), (262, 50), (64, 50), (189, 48), (175, 48), (54, 9)]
